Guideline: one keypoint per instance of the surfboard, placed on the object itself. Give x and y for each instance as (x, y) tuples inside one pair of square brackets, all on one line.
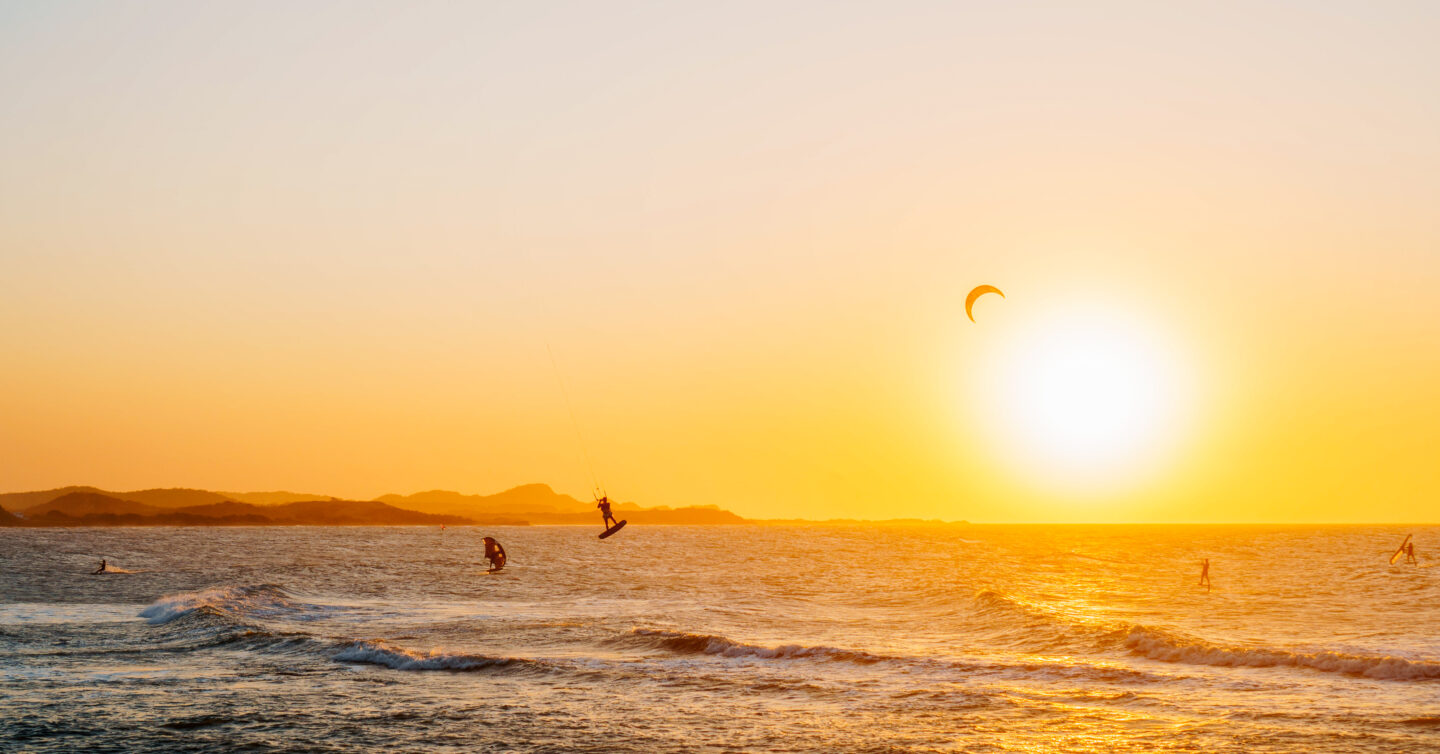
[(1400, 550), (613, 529)]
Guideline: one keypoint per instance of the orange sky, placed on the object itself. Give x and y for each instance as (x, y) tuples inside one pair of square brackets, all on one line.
[(254, 246)]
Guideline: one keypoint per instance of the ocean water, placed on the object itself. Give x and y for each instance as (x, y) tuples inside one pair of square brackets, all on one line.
[(976, 638)]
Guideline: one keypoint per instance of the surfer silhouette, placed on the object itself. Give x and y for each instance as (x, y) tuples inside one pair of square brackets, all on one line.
[(494, 553), (1410, 554), (604, 505), (1205, 574), (101, 569)]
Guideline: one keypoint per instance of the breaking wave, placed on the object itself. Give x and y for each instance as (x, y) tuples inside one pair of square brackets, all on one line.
[(261, 600), (396, 658), (711, 644), (1175, 647), (681, 642), (1168, 646), (227, 608), (1025, 622)]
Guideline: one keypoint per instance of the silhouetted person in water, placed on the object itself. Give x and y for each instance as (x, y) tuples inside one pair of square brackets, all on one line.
[(494, 553), (1410, 554), (604, 505), (1205, 574), (101, 569)]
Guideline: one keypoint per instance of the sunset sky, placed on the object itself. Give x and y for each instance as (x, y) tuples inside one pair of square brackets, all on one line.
[(323, 248)]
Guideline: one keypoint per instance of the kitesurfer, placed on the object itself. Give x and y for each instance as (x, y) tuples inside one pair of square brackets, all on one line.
[(1205, 574), (604, 505), (101, 569), (494, 553)]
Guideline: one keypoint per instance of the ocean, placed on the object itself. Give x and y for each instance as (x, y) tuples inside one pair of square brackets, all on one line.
[(723, 639)]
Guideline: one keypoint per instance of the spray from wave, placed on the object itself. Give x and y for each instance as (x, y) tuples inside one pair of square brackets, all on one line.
[(260, 600)]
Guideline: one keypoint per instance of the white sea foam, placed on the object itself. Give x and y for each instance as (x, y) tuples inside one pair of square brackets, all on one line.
[(261, 600)]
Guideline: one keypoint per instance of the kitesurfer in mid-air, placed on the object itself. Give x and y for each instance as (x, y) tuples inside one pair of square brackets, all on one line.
[(494, 553), (604, 505), (1205, 574)]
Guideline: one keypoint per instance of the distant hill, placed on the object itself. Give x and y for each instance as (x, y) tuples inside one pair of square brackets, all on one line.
[(90, 509), (167, 517), (221, 510), (273, 498), (528, 498), (158, 498), (91, 503), (530, 503), (172, 498), (336, 512), (20, 501), (539, 504)]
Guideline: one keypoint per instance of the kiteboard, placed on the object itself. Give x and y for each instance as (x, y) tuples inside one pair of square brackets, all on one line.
[(1401, 549), (612, 530)]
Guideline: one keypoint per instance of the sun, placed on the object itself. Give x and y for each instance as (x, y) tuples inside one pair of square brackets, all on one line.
[(1083, 398)]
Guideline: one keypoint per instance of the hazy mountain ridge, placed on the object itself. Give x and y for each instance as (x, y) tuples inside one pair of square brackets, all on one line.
[(526, 504), (527, 498), (539, 504), (91, 503), (174, 497), (279, 497), (95, 509)]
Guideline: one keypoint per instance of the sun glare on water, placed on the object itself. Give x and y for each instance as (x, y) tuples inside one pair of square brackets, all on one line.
[(1082, 399)]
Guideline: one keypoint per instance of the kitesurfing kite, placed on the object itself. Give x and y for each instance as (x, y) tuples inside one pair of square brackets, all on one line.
[(977, 293)]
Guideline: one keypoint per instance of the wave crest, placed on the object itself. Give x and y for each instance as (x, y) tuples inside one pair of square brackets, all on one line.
[(712, 644), (259, 600), (396, 658), (1173, 647)]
